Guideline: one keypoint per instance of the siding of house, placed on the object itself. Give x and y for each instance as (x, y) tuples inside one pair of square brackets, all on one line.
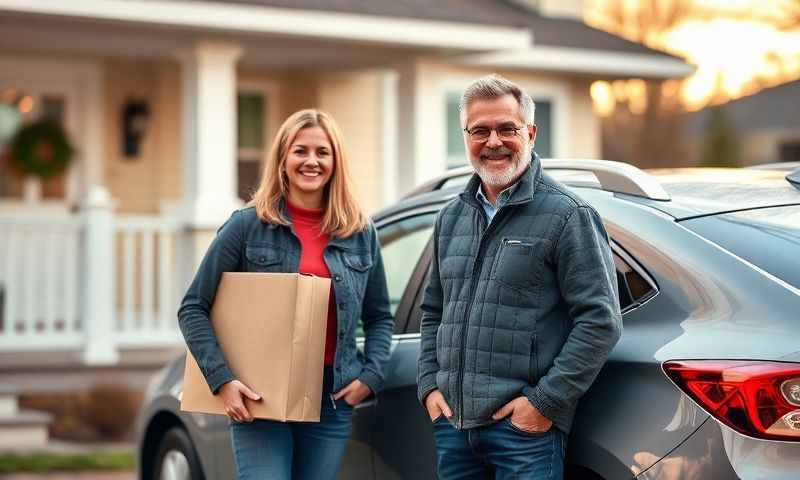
[(300, 89), (353, 98), (583, 138), (140, 184)]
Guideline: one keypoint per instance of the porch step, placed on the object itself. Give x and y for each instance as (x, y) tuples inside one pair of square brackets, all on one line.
[(20, 428), (47, 372)]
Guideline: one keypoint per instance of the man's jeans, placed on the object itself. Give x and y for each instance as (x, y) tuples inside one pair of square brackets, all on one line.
[(266, 449), (500, 451)]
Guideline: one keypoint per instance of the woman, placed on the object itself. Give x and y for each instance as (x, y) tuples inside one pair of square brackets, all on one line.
[(303, 218)]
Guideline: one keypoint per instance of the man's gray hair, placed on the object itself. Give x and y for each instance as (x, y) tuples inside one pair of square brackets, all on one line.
[(494, 86)]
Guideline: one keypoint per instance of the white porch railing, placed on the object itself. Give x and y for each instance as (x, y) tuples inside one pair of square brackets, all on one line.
[(91, 282), (146, 300), (40, 263)]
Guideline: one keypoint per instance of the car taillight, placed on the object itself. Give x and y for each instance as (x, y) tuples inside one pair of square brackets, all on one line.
[(759, 399)]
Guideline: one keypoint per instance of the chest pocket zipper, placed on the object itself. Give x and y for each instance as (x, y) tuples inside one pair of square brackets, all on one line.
[(513, 265), (511, 243)]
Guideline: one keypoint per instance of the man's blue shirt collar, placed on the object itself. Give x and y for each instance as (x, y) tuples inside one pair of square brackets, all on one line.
[(489, 208)]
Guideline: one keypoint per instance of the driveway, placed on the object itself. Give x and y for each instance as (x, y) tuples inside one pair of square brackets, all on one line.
[(71, 476)]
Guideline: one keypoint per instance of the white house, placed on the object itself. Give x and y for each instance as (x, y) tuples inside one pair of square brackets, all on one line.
[(92, 263)]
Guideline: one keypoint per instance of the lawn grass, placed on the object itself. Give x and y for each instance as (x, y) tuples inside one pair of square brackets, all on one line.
[(66, 462)]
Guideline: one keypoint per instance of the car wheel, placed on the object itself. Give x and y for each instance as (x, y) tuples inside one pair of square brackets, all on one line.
[(176, 458)]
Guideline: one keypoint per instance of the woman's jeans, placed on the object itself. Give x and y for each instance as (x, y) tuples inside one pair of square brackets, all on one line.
[(294, 450)]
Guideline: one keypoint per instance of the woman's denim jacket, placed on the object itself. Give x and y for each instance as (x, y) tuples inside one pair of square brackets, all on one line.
[(246, 244)]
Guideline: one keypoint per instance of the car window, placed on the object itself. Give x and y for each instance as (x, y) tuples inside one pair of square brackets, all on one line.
[(767, 237), (634, 288), (402, 243)]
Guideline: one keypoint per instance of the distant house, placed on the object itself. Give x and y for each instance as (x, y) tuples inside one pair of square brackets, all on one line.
[(766, 125), (92, 264)]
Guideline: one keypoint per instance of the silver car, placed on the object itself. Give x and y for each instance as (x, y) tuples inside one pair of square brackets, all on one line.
[(704, 384)]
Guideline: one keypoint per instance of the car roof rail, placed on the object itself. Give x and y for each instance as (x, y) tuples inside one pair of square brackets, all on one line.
[(617, 177)]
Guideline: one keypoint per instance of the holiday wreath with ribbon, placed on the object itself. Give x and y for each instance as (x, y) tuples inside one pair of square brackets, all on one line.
[(41, 148)]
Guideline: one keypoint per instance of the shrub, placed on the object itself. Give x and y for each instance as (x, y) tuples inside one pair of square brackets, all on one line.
[(110, 409), (101, 413)]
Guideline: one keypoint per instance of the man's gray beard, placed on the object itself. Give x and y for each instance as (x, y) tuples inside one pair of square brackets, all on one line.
[(519, 162)]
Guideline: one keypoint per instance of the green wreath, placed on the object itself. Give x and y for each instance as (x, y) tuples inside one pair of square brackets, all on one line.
[(42, 149)]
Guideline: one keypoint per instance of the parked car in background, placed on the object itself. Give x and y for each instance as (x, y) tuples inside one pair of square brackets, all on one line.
[(704, 384)]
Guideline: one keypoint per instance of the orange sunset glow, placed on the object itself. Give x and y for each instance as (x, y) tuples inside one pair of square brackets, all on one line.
[(738, 46)]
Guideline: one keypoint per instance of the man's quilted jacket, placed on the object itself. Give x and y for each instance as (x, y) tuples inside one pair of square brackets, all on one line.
[(526, 305)]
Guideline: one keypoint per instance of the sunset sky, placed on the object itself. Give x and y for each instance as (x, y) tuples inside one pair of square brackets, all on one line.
[(738, 46)]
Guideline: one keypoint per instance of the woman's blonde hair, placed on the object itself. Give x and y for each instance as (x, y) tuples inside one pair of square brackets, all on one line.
[(343, 216)]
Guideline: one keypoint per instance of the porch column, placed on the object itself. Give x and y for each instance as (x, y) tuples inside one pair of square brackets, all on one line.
[(389, 141), (209, 148), (98, 278), (94, 133), (209, 133)]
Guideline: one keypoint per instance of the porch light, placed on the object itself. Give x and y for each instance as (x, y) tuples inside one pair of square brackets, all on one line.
[(26, 104), (135, 120)]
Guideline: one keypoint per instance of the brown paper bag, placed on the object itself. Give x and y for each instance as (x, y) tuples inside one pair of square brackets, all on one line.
[(271, 328)]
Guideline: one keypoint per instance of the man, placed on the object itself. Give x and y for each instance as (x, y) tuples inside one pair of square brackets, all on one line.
[(521, 308)]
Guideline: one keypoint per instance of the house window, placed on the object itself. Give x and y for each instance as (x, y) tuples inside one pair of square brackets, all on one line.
[(544, 128), (251, 110), (456, 152)]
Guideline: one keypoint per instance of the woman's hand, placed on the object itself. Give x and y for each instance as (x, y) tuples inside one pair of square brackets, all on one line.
[(231, 394), (354, 393)]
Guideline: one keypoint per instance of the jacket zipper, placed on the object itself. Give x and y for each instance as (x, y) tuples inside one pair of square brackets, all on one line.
[(473, 287)]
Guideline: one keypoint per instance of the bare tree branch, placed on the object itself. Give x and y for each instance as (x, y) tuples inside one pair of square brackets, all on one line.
[(645, 21), (790, 19)]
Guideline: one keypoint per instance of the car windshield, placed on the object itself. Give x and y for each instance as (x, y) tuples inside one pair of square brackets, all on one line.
[(768, 238)]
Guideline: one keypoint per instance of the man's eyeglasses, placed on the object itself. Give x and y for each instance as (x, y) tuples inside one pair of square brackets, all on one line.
[(481, 134)]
